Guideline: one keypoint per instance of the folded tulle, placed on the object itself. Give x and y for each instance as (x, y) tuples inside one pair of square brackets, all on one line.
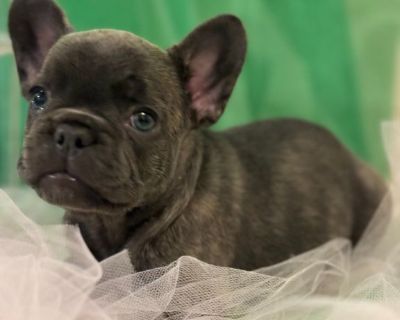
[(47, 272)]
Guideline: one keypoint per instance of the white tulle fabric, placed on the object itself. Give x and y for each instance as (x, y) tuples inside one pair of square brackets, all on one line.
[(48, 273)]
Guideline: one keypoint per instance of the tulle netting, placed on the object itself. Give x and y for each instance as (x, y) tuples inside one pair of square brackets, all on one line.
[(47, 272)]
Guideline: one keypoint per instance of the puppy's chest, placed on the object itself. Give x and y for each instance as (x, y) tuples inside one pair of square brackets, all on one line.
[(104, 236), (207, 235)]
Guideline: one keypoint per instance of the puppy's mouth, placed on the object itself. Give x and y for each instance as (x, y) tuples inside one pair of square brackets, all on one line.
[(68, 191), (72, 159)]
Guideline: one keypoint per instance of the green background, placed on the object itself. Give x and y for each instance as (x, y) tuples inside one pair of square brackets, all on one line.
[(328, 61)]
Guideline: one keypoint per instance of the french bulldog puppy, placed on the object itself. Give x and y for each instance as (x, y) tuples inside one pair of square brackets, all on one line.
[(117, 135)]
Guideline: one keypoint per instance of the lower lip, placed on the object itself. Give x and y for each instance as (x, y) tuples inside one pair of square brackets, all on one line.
[(61, 183), (62, 188)]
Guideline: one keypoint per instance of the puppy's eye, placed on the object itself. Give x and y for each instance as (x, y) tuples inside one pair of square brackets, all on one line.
[(143, 121), (39, 98)]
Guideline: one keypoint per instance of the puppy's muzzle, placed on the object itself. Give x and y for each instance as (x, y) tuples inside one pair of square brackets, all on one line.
[(74, 131)]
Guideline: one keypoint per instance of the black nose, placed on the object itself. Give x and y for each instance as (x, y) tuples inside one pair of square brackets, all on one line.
[(71, 138)]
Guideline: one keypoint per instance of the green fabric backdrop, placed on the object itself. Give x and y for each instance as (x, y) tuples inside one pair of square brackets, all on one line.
[(329, 61)]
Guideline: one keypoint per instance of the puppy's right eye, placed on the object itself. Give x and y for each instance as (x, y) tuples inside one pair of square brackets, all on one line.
[(39, 98)]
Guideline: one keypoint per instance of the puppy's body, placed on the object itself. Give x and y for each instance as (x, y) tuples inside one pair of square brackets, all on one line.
[(306, 189), (116, 135)]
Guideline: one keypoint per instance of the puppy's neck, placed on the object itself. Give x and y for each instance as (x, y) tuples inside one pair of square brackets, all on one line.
[(107, 234)]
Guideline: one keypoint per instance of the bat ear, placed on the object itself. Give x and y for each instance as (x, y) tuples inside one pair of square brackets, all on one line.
[(210, 59), (34, 27)]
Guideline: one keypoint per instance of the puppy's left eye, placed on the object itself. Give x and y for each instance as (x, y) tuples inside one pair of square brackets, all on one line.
[(143, 121), (39, 98)]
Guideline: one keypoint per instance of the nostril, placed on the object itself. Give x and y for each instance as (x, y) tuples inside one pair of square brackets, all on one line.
[(60, 139), (78, 143)]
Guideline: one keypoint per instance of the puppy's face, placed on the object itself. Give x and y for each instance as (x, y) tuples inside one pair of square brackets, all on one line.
[(112, 115), (106, 119)]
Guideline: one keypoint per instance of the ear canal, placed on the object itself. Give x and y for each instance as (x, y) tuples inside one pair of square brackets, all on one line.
[(34, 27), (210, 59)]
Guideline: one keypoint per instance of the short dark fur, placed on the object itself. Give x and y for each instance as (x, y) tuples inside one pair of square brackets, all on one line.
[(246, 197)]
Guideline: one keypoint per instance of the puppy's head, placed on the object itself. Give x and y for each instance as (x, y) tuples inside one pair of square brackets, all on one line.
[(110, 113)]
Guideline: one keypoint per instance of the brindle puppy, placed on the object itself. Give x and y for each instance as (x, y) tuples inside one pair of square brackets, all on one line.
[(117, 136)]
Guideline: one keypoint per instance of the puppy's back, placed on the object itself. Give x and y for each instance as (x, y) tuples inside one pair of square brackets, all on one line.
[(304, 186)]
